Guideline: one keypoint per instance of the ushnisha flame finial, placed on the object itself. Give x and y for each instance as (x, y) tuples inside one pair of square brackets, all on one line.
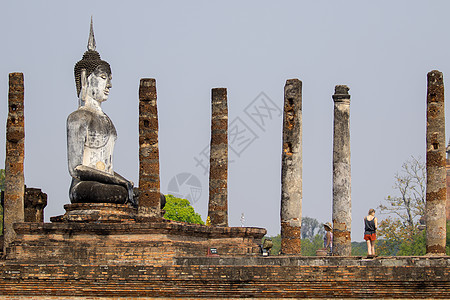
[(91, 42)]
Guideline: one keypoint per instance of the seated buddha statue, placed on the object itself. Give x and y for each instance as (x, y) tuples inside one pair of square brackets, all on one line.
[(91, 136)]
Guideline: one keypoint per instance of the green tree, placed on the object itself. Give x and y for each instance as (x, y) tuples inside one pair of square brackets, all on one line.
[(399, 232), (447, 247), (415, 246), (310, 228), (2, 179), (310, 246), (409, 204), (178, 209), (359, 248), (312, 236), (312, 233)]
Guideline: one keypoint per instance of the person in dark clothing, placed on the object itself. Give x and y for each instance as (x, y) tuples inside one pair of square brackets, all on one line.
[(370, 228)]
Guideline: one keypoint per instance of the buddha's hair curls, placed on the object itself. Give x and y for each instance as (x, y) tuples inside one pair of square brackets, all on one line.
[(90, 61)]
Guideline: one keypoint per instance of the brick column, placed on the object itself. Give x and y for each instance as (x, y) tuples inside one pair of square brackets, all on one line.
[(447, 168), (436, 174), (149, 194), (15, 151), (218, 166), (342, 205), (291, 169)]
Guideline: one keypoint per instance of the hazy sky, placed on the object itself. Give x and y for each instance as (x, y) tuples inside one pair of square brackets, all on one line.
[(381, 49)]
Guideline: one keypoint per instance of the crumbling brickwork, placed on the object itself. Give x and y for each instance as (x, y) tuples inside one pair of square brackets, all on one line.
[(149, 182), (15, 151), (273, 281), (146, 243), (447, 206), (436, 192), (218, 166), (35, 201), (291, 169)]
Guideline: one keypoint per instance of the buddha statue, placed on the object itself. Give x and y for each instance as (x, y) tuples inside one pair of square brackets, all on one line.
[(91, 136)]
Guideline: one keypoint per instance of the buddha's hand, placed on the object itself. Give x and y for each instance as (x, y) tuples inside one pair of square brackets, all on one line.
[(130, 186)]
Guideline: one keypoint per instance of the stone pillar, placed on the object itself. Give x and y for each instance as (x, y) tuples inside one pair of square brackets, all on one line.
[(342, 205), (149, 194), (447, 168), (291, 169), (35, 201), (218, 162), (15, 151), (436, 176)]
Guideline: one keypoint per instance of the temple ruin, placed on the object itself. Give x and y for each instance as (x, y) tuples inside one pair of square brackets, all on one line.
[(116, 244)]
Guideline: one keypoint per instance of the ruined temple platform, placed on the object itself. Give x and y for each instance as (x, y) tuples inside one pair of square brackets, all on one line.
[(167, 259), (157, 242), (233, 278)]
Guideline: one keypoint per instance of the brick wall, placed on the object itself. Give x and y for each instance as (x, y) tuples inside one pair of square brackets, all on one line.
[(168, 259), (219, 281), (156, 243)]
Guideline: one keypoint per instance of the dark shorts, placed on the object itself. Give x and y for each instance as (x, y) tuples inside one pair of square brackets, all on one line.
[(370, 237)]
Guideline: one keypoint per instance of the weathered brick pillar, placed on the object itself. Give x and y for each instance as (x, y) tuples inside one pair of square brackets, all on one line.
[(15, 151), (149, 195), (436, 176), (35, 201), (291, 169), (342, 204), (447, 168), (218, 162)]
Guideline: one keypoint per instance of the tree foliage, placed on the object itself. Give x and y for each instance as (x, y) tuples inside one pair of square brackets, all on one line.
[(409, 203), (312, 233), (2, 179), (400, 232), (310, 228), (178, 209), (310, 246), (359, 248)]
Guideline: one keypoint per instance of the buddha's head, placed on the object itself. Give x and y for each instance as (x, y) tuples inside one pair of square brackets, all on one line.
[(98, 83), (98, 72), (94, 67)]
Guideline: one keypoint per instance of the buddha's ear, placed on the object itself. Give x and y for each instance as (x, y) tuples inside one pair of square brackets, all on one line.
[(83, 87)]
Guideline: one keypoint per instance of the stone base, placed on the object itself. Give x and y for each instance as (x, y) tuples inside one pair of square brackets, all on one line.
[(138, 243), (97, 212)]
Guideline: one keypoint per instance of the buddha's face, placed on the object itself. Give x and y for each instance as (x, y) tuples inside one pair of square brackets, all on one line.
[(99, 83)]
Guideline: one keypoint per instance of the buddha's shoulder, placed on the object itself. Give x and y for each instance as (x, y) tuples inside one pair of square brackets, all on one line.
[(81, 115)]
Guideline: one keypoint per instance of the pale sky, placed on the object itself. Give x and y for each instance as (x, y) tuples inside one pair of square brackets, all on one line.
[(381, 49)]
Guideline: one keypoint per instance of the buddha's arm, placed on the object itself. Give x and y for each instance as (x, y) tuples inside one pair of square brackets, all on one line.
[(86, 173), (76, 137)]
